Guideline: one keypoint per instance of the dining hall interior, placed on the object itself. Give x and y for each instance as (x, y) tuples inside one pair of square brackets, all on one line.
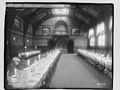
[(58, 45)]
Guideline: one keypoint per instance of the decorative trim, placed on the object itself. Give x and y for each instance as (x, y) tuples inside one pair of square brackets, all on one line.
[(46, 31), (75, 31)]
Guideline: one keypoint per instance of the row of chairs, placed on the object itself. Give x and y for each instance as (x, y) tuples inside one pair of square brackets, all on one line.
[(51, 62), (48, 78), (28, 54), (99, 61), (39, 73)]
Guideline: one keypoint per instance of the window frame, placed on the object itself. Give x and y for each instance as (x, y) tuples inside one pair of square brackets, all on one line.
[(101, 36)]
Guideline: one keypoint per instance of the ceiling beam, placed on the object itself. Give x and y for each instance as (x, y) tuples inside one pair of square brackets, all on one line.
[(17, 5), (73, 19)]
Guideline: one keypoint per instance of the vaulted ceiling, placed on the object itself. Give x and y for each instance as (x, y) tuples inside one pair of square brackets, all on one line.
[(85, 15)]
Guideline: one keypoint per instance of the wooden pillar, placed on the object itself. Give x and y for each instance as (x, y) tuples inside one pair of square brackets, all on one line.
[(88, 40), (24, 33), (96, 37)]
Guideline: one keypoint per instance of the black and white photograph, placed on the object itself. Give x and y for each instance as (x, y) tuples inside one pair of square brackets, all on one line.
[(79, 56), (17, 23)]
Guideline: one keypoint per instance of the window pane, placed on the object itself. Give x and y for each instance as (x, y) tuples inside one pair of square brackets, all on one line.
[(100, 28), (99, 41), (103, 40), (91, 32), (63, 11), (110, 24), (92, 41)]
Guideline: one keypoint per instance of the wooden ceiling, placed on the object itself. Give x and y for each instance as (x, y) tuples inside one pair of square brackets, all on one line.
[(82, 14)]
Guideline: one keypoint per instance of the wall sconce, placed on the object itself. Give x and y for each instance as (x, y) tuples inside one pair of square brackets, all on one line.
[(25, 47), (14, 38), (27, 40)]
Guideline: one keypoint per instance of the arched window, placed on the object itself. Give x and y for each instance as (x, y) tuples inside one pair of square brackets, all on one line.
[(63, 11), (101, 34), (92, 41), (91, 37)]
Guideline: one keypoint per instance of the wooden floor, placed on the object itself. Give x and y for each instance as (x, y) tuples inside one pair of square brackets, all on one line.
[(73, 72)]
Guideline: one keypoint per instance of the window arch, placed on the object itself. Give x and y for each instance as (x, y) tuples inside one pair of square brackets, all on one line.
[(101, 34), (91, 37)]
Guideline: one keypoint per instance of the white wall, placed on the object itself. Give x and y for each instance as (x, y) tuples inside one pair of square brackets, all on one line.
[(80, 42), (40, 42)]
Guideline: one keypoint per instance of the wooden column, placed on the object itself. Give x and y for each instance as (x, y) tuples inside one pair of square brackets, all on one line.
[(96, 37), (25, 23)]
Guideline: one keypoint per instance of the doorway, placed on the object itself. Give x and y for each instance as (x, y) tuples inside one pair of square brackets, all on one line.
[(70, 46), (61, 42)]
